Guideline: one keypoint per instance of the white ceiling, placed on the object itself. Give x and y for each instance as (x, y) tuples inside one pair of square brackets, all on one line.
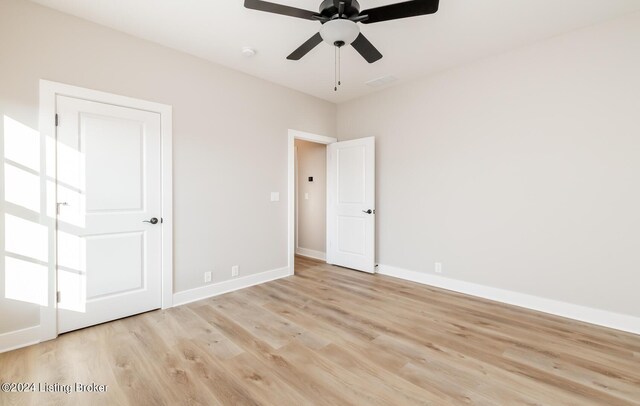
[(461, 31)]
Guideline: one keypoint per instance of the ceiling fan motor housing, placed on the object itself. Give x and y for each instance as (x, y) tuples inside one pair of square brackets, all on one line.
[(328, 9)]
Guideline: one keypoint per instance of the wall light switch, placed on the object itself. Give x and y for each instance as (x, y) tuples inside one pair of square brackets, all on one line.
[(306, 196), (275, 196)]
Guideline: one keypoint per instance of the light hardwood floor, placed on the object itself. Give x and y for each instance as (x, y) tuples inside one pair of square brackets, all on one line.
[(331, 336)]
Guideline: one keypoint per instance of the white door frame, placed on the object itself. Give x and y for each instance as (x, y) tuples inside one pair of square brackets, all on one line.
[(293, 136), (48, 92)]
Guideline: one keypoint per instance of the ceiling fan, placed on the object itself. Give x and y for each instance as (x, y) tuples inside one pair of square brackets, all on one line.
[(339, 20)]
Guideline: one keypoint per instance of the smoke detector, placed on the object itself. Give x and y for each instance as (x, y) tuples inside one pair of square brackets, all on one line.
[(248, 52)]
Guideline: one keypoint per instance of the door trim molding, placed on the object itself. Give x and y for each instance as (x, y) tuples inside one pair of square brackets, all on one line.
[(293, 136), (48, 92)]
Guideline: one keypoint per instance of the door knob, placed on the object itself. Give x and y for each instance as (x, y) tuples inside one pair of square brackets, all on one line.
[(152, 221), (367, 211)]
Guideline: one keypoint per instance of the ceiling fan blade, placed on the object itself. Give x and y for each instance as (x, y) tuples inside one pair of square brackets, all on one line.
[(305, 48), (366, 49), (280, 9), (400, 10)]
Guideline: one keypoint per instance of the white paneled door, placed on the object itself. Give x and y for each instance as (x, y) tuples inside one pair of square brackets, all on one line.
[(351, 204), (108, 213)]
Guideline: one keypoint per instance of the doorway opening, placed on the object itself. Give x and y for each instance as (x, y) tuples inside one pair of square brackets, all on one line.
[(310, 199), (293, 182), (350, 201)]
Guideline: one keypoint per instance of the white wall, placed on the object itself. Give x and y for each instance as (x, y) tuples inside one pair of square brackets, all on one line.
[(222, 210), (521, 171), (312, 212)]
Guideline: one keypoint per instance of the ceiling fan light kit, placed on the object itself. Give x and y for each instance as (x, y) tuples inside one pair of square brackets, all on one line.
[(340, 18), (339, 30)]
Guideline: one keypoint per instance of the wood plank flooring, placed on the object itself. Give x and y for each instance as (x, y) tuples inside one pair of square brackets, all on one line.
[(331, 336)]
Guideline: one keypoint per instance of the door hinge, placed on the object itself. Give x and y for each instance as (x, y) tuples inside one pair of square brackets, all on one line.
[(58, 297), (57, 120)]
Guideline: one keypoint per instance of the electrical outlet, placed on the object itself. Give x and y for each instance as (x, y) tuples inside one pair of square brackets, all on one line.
[(438, 267), (207, 277), (235, 270)]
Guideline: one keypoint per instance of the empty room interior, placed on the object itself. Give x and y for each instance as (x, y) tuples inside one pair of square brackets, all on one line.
[(327, 202)]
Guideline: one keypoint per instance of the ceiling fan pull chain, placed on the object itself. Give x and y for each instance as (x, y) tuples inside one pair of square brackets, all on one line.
[(339, 67), (335, 69)]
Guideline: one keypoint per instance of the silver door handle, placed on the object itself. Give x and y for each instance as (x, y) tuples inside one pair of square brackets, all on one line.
[(153, 220)]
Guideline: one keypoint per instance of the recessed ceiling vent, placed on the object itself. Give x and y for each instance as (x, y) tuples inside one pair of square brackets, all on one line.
[(384, 80)]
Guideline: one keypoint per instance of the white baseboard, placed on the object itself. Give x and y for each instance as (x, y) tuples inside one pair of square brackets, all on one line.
[(219, 288), (305, 252), (19, 338), (604, 318)]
